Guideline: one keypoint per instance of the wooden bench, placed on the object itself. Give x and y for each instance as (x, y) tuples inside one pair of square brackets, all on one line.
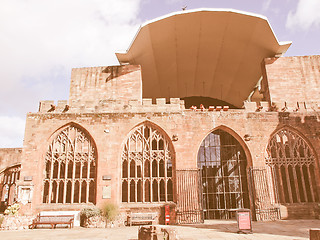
[(142, 218), (52, 220)]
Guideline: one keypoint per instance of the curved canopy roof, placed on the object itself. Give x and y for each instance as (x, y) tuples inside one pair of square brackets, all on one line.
[(213, 53)]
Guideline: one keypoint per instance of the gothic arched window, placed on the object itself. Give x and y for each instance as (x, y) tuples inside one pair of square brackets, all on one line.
[(292, 163), (8, 179), (147, 166), (70, 168)]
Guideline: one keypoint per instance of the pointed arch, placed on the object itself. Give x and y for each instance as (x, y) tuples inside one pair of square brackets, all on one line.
[(237, 137), (293, 165), (222, 161), (71, 160), (8, 178), (147, 158)]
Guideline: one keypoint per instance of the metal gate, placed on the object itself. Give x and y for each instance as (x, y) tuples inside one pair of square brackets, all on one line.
[(264, 193), (189, 207), (222, 162)]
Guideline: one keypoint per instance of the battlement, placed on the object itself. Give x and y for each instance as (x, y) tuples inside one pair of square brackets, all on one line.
[(161, 105), (103, 106), (282, 106)]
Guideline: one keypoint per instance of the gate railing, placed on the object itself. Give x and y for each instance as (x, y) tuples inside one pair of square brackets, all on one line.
[(264, 194), (189, 201)]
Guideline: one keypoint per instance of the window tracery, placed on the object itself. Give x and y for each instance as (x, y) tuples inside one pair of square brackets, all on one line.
[(8, 179), (292, 163), (147, 167), (70, 168)]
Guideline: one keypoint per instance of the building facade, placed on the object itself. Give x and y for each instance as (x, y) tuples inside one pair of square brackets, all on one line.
[(208, 120)]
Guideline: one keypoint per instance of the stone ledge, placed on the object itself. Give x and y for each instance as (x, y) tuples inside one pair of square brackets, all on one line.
[(144, 105)]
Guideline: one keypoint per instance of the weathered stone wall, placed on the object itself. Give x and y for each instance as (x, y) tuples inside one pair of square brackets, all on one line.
[(292, 79), (16, 222), (110, 130), (106, 102), (9, 157), (105, 83)]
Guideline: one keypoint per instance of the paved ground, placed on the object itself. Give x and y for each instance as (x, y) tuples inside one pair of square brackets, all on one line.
[(211, 229)]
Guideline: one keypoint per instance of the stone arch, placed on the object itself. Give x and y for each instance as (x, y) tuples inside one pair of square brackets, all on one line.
[(222, 162), (8, 192), (236, 136), (54, 133), (71, 157), (145, 152), (293, 167)]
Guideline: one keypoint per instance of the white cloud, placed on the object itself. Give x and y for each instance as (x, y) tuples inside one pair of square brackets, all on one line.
[(305, 16), (266, 5), (11, 131), (42, 40), (176, 1)]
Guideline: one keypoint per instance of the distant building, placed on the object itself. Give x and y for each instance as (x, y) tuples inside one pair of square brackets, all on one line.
[(202, 114)]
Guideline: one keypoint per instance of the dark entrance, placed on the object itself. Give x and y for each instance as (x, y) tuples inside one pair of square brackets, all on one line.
[(222, 163)]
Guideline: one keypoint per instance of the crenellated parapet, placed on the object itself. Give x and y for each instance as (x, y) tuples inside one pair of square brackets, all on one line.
[(107, 106), (282, 106), (162, 105)]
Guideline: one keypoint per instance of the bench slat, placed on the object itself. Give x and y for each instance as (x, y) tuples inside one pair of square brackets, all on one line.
[(52, 220), (142, 218)]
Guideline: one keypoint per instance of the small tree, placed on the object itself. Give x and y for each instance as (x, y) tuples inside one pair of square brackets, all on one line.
[(12, 210), (110, 212)]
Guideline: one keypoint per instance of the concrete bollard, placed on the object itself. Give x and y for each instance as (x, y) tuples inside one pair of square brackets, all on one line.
[(156, 233), (146, 233)]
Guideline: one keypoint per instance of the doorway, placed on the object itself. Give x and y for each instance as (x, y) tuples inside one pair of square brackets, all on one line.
[(222, 163)]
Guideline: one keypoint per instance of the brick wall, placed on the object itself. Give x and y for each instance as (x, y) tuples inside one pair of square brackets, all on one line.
[(105, 83), (107, 102), (292, 79), (9, 157), (191, 127)]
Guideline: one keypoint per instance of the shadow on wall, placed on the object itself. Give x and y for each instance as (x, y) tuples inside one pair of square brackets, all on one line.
[(294, 159), (113, 72)]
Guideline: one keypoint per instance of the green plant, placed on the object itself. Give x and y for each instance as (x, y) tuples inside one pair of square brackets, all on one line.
[(90, 212), (110, 211), (12, 210)]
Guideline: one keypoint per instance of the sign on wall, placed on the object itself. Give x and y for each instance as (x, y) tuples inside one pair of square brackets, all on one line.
[(106, 192)]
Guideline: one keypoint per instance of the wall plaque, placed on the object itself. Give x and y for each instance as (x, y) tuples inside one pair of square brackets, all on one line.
[(106, 192)]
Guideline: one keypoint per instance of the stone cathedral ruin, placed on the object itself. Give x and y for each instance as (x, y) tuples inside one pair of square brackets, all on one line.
[(203, 113)]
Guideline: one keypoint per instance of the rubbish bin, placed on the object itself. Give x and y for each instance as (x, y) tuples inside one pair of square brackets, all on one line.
[(147, 233)]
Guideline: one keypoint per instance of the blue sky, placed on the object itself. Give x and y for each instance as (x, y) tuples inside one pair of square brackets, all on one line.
[(42, 40)]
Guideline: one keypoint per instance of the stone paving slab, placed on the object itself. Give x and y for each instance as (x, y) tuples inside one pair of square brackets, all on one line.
[(211, 229)]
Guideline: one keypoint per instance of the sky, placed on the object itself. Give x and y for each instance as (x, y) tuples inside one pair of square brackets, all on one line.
[(41, 40)]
